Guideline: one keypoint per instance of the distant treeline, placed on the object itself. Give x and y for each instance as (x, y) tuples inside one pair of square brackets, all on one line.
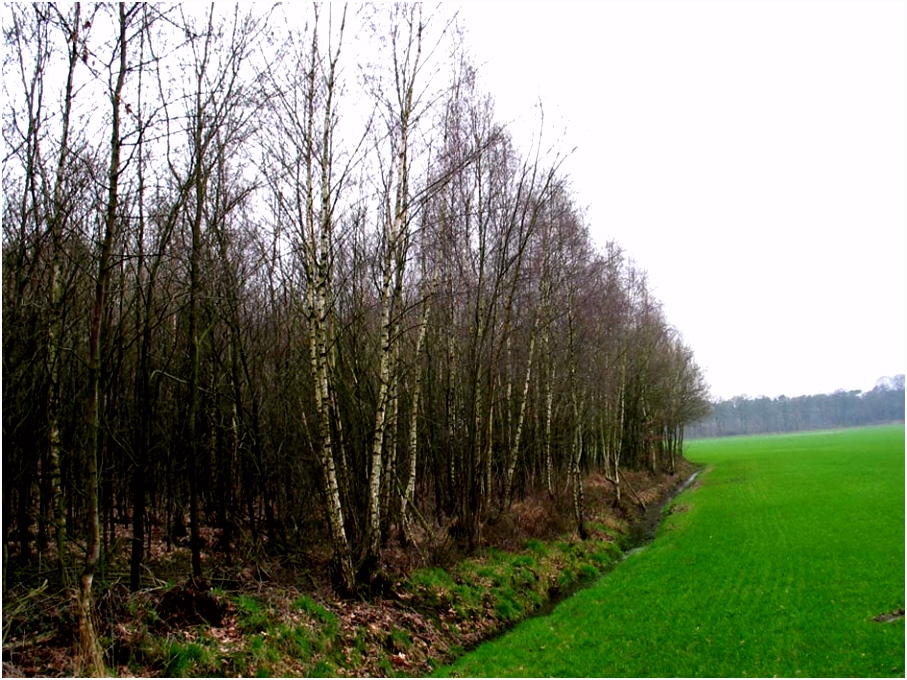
[(760, 415)]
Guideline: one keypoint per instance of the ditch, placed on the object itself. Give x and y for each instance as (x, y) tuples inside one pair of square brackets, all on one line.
[(645, 529), (641, 533)]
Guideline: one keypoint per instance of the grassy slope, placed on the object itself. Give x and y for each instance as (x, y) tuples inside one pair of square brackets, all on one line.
[(776, 566)]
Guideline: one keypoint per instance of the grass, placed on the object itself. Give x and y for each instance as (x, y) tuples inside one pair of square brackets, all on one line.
[(775, 564), (183, 659), (512, 585), (264, 638)]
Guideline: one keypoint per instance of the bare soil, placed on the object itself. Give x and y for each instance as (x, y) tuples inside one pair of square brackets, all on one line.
[(895, 615)]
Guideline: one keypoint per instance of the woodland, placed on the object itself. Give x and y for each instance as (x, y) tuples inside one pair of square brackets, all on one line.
[(742, 415), (279, 287)]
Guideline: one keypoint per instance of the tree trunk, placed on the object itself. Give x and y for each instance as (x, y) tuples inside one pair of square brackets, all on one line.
[(524, 399), (396, 243), (386, 375), (408, 497), (90, 653), (57, 227)]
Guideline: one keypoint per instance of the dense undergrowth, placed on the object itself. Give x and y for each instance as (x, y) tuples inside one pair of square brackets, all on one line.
[(267, 626)]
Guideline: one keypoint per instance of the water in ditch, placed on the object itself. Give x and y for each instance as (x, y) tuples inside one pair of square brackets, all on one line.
[(644, 531)]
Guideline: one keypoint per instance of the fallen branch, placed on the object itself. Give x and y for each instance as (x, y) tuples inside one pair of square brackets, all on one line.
[(25, 643), (633, 491), (426, 527)]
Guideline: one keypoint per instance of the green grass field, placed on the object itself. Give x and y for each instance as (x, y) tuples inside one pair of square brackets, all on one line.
[(775, 563)]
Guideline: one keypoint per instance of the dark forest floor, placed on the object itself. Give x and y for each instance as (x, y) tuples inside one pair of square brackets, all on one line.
[(276, 616)]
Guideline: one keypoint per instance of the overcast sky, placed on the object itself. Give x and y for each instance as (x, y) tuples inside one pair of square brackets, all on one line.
[(750, 156)]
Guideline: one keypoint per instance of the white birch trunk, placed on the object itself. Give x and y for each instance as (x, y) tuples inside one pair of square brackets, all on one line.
[(413, 444), (524, 399)]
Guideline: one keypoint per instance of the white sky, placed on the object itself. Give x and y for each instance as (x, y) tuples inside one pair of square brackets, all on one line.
[(750, 156)]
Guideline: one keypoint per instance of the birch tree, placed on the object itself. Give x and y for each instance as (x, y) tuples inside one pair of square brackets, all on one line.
[(307, 187), (400, 115)]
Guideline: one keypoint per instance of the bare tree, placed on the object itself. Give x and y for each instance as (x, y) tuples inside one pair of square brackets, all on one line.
[(46, 204), (400, 117), (222, 298), (306, 186), (91, 653), (218, 110)]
